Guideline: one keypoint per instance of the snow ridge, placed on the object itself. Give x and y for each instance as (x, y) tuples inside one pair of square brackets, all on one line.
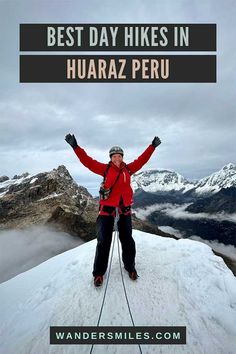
[(224, 178), (181, 283)]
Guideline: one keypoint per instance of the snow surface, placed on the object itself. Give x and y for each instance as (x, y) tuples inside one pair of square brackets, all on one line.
[(50, 196), (181, 283), (226, 250), (33, 180), (12, 181)]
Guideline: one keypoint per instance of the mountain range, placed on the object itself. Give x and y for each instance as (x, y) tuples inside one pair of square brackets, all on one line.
[(162, 180), (205, 208)]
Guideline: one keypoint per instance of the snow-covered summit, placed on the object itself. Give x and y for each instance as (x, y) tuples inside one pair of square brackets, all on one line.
[(160, 180), (181, 283), (224, 178)]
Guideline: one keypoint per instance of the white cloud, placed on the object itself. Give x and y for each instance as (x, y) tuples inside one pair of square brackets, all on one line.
[(178, 212), (21, 250), (196, 122)]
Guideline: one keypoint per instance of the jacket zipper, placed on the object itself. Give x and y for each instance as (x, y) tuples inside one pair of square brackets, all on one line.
[(124, 176)]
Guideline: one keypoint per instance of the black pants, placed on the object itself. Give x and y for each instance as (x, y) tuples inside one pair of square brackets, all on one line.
[(104, 237)]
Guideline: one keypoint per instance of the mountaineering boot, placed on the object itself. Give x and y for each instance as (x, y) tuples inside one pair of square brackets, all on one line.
[(133, 275), (98, 280)]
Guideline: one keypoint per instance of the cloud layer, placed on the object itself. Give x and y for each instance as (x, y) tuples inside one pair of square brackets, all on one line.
[(21, 250), (196, 122)]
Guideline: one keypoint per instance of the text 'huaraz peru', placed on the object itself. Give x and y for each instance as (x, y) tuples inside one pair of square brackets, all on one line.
[(112, 69), (117, 69)]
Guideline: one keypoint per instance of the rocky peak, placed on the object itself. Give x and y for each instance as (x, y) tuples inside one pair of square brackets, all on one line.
[(229, 166), (24, 175), (27, 200), (61, 172), (3, 179)]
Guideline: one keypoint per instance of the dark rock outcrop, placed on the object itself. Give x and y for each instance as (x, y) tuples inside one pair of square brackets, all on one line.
[(3, 179), (49, 197)]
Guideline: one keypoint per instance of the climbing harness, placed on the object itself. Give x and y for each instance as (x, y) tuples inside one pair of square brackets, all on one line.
[(104, 193), (122, 277)]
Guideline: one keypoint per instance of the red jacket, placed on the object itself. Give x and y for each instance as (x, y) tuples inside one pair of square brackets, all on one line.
[(122, 188)]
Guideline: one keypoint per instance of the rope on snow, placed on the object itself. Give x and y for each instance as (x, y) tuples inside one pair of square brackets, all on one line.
[(122, 277), (104, 295), (126, 296)]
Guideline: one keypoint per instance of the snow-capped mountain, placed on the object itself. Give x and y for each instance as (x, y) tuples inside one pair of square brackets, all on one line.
[(153, 181), (181, 283), (48, 197), (160, 180), (224, 178)]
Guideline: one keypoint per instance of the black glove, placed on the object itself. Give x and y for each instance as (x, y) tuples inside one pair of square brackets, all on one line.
[(156, 141), (70, 139)]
